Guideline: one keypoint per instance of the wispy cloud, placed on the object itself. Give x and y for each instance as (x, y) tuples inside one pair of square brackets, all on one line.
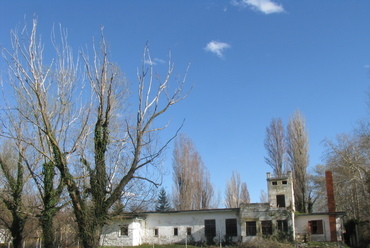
[(217, 48), (264, 6), (154, 61)]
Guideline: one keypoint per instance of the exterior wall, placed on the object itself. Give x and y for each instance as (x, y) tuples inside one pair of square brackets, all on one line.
[(259, 212), (142, 230), (302, 228), (166, 222), (111, 233)]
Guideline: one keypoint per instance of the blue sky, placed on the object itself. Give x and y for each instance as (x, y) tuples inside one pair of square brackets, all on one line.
[(251, 60)]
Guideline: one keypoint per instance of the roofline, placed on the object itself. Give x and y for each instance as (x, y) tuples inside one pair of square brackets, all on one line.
[(323, 213), (136, 214), (189, 211)]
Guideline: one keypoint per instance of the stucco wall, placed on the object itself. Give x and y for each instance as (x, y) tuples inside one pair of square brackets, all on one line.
[(111, 233), (142, 231), (302, 229), (166, 222)]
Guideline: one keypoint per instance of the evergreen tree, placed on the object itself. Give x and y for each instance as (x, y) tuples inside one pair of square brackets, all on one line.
[(163, 203)]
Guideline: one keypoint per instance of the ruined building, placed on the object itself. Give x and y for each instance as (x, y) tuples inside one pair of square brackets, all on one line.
[(277, 217)]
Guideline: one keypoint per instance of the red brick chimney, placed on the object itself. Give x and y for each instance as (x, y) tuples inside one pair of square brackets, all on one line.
[(331, 205)]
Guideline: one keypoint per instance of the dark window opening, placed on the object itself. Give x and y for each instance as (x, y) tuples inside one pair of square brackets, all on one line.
[(175, 231), (316, 226), (210, 228), (266, 227), (274, 183), (188, 231), (156, 232), (280, 201), (123, 231), (251, 228), (284, 182), (282, 225), (231, 227)]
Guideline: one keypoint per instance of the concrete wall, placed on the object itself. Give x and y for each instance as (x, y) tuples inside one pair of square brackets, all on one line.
[(166, 222), (302, 229), (143, 230), (111, 233), (259, 212)]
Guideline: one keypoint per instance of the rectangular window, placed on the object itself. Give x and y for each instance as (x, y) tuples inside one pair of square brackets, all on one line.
[(188, 231), (251, 228), (210, 228), (175, 231), (282, 225), (156, 232), (284, 182), (316, 227), (266, 227), (274, 183), (280, 201), (123, 230), (231, 227)]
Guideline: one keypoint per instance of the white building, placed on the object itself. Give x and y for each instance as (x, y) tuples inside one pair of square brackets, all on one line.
[(277, 217)]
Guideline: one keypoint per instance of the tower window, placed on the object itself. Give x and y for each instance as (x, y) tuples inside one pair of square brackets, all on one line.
[(284, 182), (274, 183), (280, 201)]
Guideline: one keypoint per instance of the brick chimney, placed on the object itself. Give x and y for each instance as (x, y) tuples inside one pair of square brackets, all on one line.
[(331, 205)]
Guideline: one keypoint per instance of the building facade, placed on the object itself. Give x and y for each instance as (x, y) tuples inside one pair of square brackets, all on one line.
[(277, 217)]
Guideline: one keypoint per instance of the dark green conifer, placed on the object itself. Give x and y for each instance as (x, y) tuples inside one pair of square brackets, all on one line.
[(162, 204)]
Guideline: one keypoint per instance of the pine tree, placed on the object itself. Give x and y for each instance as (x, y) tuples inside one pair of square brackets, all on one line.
[(163, 203)]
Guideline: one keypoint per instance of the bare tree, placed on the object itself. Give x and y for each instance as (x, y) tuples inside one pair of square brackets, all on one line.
[(192, 188), (350, 165), (297, 151), (244, 194), (236, 192), (84, 129), (263, 196), (275, 146)]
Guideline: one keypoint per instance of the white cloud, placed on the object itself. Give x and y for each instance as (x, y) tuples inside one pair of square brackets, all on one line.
[(265, 6), (217, 47), (155, 61)]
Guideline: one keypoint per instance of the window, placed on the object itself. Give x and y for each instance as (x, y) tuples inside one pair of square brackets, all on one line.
[(282, 225), (175, 231), (266, 227), (284, 182), (251, 228), (210, 228), (156, 232), (188, 231), (280, 201), (274, 183), (231, 227), (123, 230), (315, 226)]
